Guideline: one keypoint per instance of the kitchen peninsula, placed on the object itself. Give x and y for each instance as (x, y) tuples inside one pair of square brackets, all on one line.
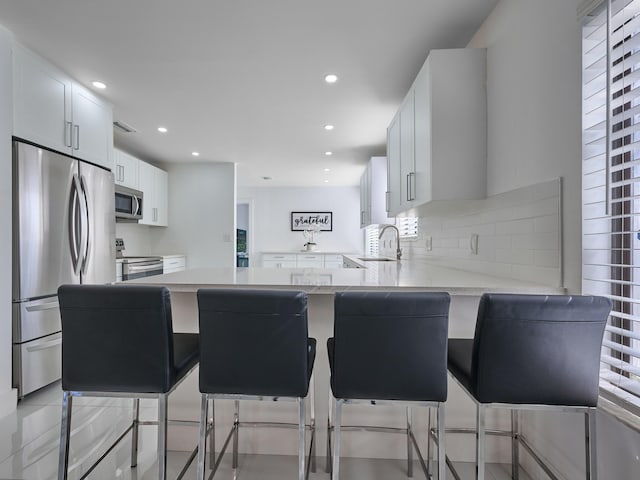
[(320, 284)]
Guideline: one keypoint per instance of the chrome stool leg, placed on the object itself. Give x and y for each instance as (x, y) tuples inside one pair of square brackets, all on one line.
[(134, 432), (162, 437), (442, 458), (202, 441), (212, 438), (335, 472), (329, 429), (312, 398), (301, 438), (65, 433), (591, 448), (236, 425), (409, 445), (430, 441), (480, 442), (515, 445)]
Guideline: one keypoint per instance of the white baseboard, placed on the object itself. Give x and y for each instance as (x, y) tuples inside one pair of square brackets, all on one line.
[(8, 402)]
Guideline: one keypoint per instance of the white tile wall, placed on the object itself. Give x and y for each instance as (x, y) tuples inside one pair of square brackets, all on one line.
[(519, 235)]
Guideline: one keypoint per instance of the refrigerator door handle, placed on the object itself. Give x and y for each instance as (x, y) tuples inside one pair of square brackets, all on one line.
[(85, 225), (74, 205)]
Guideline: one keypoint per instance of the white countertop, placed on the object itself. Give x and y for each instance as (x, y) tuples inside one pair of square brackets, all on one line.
[(176, 255), (304, 250), (404, 275)]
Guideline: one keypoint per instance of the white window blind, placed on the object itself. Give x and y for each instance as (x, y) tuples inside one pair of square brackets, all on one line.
[(611, 188), (371, 241)]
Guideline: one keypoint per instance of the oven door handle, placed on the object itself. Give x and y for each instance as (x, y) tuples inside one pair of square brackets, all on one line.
[(143, 268)]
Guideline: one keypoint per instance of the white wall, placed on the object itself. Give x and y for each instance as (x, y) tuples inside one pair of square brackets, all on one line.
[(272, 217), (518, 235), (533, 107), (534, 122), (202, 208), (7, 394)]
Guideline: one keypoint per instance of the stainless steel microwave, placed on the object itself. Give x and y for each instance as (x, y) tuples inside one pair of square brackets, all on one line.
[(128, 203)]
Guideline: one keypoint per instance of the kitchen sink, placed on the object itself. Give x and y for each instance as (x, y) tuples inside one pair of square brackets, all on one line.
[(376, 259)]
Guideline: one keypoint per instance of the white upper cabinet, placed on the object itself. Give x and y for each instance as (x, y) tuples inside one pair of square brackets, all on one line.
[(393, 165), (154, 184), (373, 193), (50, 109), (437, 143), (125, 169)]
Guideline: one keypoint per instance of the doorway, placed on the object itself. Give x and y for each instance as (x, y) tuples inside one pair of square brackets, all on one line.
[(243, 228)]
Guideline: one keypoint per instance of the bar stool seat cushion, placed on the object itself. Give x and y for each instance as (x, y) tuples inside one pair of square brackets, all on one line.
[(257, 343), (460, 354), (389, 346), (533, 349), (186, 348)]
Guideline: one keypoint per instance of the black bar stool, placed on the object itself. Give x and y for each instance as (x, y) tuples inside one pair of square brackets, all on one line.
[(390, 348), (254, 346), (118, 341), (532, 352)]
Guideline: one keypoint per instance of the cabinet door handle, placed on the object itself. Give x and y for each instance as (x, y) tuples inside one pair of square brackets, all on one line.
[(67, 134), (411, 180), (386, 201), (77, 130)]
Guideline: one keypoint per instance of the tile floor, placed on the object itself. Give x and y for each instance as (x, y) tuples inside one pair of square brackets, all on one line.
[(29, 440)]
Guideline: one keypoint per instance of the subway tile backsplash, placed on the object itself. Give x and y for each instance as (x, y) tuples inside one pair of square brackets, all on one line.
[(519, 235)]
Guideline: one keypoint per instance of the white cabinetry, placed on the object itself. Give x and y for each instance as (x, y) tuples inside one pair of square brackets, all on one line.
[(333, 260), (279, 260), (126, 169), (310, 260), (50, 109), (373, 195), (437, 142), (154, 183), (302, 260), (173, 263)]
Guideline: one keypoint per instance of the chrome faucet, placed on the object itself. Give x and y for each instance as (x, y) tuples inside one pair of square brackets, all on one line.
[(398, 251)]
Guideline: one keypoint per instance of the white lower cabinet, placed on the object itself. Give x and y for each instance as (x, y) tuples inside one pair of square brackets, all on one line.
[(302, 260), (174, 263), (279, 260), (309, 260), (118, 271)]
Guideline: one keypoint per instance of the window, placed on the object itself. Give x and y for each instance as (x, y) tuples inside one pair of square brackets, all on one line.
[(371, 241), (611, 188), (408, 226)]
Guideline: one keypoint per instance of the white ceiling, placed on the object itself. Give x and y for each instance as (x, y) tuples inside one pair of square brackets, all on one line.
[(242, 80)]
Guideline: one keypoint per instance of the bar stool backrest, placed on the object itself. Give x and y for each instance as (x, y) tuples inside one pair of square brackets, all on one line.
[(538, 349), (390, 346), (253, 342), (116, 338)]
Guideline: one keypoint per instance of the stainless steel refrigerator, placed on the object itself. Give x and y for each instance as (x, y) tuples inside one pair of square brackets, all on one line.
[(63, 232)]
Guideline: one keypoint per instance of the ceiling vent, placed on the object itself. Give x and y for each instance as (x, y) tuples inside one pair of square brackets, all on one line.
[(123, 127)]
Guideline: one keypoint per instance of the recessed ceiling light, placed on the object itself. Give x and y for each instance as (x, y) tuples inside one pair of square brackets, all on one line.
[(195, 154), (326, 181), (328, 127), (162, 129), (327, 169), (328, 154), (331, 78), (99, 85)]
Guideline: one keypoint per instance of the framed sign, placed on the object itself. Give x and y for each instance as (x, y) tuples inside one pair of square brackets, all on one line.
[(301, 221)]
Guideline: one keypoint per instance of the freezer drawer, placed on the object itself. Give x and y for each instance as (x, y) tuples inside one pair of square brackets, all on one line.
[(37, 363), (35, 319)]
